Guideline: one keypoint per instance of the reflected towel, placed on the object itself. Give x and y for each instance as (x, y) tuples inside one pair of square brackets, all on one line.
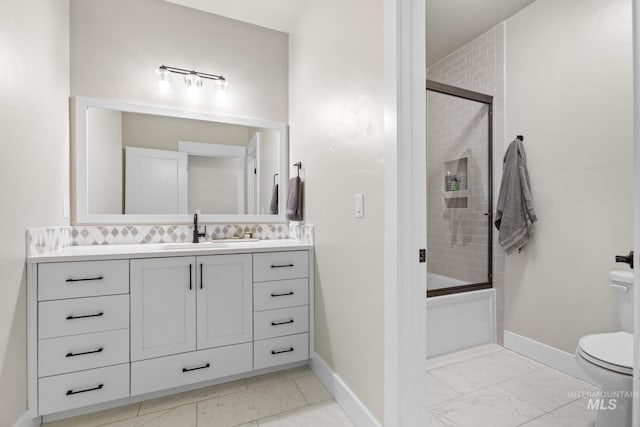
[(515, 215), (294, 200), (273, 207)]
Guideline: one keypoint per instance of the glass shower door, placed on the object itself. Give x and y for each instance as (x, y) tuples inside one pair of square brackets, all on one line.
[(459, 169)]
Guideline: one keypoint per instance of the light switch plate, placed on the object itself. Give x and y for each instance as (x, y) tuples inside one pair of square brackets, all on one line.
[(66, 209), (359, 208)]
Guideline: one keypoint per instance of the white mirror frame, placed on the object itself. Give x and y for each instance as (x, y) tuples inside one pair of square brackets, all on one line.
[(80, 165)]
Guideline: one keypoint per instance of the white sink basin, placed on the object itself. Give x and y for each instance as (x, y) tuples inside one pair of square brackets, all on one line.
[(191, 246)]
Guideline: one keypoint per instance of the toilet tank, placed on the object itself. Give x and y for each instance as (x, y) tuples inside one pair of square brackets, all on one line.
[(622, 284)]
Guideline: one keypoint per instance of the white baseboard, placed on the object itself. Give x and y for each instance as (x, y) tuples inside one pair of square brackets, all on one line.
[(348, 401), (545, 354), (27, 421)]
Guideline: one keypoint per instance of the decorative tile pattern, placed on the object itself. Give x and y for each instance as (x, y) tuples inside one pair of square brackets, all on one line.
[(41, 240), (135, 234)]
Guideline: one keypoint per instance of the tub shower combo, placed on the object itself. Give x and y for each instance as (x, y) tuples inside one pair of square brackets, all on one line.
[(460, 297)]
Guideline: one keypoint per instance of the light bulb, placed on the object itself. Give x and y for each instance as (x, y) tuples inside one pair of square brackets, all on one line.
[(221, 91), (192, 80), (164, 82)]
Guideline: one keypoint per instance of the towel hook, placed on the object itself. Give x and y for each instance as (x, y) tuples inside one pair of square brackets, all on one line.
[(520, 137), (274, 178), (299, 166)]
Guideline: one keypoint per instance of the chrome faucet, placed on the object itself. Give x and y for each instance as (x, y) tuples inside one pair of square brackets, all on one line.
[(196, 234)]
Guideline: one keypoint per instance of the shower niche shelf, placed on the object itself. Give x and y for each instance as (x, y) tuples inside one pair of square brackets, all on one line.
[(456, 184)]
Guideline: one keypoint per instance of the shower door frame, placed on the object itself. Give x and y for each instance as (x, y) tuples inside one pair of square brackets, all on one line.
[(482, 98)]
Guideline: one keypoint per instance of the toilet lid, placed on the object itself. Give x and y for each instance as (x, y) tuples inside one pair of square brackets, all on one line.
[(612, 351)]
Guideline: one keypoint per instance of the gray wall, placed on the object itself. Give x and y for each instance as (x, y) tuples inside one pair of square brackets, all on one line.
[(34, 166), (569, 92), (117, 45), (336, 121)]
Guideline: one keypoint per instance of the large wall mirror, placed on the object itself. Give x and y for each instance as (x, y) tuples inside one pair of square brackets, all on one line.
[(143, 164)]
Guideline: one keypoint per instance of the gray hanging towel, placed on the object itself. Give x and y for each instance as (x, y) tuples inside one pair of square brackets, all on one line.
[(273, 207), (515, 215), (294, 200)]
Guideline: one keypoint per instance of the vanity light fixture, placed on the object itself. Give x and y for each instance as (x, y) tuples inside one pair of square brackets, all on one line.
[(192, 78)]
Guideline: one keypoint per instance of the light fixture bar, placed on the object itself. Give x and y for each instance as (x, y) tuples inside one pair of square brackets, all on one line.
[(182, 71)]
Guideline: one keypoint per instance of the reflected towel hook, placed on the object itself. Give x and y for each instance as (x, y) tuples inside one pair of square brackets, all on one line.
[(274, 178), (299, 166), (520, 137)]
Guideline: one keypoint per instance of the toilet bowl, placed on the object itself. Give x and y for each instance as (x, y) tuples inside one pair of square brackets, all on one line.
[(608, 359)]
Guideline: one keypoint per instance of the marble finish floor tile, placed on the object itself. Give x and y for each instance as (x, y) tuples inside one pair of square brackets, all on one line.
[(437, 391), (98, 418), (575, 414), (312, 389), (254, 404), (483, 371), (326, 414), (183, 416), (490, 407), (460, 356), (180, 399), (546, 388), (276, 377)]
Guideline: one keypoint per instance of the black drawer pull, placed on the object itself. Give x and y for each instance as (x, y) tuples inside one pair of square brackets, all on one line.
[(208, 365), (190, 277), (283, 294), (281, 266), (201, 276), (85, 316), (288, 350), (71, 354), (87, 279), (70, 392), (286, 322)]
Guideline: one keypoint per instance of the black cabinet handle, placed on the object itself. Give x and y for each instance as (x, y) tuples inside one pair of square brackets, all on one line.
[(286, 322), (70, 392), (208, 365), (190, 277), (71, 317), (86, 279), (200, 276), (281, 266), (283, 294), (71, 354), (288, 350)]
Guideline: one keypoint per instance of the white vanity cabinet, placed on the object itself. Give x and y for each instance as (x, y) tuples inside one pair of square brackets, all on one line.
[(103, 330)]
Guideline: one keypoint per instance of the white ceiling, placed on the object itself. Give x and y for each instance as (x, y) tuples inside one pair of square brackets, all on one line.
[(453, 23), (450, 23), (278, 15)]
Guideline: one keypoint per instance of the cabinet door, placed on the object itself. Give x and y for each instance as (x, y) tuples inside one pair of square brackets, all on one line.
[(163, 302), (224, 300)]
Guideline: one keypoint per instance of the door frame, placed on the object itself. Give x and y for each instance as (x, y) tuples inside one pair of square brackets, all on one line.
[(405, 190), (636, 203)]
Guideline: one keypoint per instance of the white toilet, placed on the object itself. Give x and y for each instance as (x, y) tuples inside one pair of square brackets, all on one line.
[(608, 358)]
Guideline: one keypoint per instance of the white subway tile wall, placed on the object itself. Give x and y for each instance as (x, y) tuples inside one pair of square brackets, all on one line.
[(457, 237)]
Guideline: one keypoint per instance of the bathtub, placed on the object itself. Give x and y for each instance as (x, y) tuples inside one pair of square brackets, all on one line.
[(459, 321)]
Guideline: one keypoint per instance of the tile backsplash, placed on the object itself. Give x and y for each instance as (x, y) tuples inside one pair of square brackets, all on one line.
[(42, 240)]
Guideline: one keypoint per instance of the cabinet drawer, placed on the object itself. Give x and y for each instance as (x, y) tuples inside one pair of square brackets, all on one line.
[(82, 279), (82, 315), (276, 323), (69, 391), (280, 294), (278, 351), (280, 265), (81, 352), (188, 368)]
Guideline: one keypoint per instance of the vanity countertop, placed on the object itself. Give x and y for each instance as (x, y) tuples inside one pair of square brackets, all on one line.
[(161, 250)]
